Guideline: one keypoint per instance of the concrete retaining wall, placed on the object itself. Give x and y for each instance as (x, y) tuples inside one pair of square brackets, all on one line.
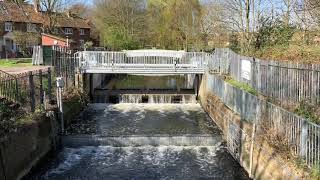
[(257, 157), (21, 150)]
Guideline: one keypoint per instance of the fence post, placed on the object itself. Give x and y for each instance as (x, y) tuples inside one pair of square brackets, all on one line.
[(32, 94), (17, 90), (313, 86), (41, 88), (303, 139), (49, 84)]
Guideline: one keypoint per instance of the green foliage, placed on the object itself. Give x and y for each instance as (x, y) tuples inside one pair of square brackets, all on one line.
[(242, 86), (315, 172), (10, 115), (75, 95), (120, 40), (308, 111), (23, 38), (132, 24), (234, 42), (273, 32), (88, 44)]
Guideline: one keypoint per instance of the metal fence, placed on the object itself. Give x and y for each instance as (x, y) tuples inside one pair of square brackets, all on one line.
[(302, 136), (236, 138), (65, 64), (28, 89), (285, 82)]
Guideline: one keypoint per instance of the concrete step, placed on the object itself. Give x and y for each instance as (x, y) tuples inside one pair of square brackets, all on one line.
[(141, 140)]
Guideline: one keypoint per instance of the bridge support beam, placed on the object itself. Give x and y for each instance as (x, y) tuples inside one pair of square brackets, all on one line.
[(197, 83)]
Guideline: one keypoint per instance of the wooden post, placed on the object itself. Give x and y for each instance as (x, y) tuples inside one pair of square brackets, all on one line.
[(41, 88), (49, 84), (17, 90), (32, 94)]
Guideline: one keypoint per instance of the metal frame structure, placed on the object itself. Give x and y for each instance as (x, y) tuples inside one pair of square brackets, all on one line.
[(107, 62)]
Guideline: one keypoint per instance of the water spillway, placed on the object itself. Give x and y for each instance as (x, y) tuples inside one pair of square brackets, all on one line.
[(144, 141), (143, 89)]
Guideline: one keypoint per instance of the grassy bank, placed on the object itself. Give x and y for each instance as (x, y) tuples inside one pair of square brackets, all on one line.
[(20, 62), (292, 53)]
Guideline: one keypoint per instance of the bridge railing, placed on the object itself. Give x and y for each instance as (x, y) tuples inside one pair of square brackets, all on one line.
[(105, 60)]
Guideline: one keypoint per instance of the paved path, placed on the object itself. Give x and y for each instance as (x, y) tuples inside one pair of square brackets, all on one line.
[(18, 70)]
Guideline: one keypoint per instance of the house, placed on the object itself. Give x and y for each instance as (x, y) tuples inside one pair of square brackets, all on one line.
[(21, 27), (23, 18), (73, 28)]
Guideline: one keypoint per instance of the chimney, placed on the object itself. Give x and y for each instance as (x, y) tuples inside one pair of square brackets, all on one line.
[(36, 5)]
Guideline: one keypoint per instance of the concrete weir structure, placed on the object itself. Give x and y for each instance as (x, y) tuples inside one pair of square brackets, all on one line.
[(154, 115)]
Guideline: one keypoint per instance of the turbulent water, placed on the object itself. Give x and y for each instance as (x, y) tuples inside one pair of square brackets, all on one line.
[(158, 98), (145, 141)]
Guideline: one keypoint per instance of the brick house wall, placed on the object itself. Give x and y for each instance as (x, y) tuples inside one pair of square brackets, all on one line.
[(76, 37)]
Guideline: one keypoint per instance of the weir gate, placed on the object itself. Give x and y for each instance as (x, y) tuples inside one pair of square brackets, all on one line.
[(142, 76)]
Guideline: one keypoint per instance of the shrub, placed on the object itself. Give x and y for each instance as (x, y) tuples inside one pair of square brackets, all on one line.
[(273, 32)]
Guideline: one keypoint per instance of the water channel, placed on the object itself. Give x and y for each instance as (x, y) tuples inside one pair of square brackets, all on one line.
[(143, 141)]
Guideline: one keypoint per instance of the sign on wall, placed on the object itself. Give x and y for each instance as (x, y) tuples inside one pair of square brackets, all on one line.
[(246, 69)]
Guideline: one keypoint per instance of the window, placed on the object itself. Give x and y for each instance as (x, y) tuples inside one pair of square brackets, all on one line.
[(68, 31), (8, 26), (31, 27), (81, 43), (82, 32)]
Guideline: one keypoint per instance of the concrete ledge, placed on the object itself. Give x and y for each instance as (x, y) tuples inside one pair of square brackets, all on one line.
[(155, 140)]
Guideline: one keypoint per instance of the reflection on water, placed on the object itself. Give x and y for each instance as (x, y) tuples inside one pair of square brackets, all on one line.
[(149, 82)]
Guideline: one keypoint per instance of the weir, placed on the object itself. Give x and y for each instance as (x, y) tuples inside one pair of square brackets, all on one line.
[(144, 141), (143, 126)]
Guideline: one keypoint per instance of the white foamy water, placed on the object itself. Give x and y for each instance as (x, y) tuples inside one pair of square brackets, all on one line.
[(164, 162), (146, 141), (158, 98)]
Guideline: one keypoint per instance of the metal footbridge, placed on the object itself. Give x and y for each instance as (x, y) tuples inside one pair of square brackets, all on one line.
[(143, 62)]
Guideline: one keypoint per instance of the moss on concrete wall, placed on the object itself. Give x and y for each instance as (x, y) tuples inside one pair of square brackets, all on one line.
[(22, 149)]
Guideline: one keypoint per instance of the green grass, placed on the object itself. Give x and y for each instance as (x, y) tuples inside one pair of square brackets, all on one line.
[(309, 111), (242, 86), (21, 62)]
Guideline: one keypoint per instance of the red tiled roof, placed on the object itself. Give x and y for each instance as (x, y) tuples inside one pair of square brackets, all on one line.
[(11, 12), (63, 20), (76, 22), (19, 13)]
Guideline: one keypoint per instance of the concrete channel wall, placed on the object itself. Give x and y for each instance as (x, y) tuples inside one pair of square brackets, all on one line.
[(21, 150), (24, 149), (257, 157)]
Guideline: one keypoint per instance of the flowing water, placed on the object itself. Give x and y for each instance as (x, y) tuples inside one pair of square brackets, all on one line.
[(145, 141), (158, 98)]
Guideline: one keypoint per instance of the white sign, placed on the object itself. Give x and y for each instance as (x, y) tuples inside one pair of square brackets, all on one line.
[(246, 69)]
